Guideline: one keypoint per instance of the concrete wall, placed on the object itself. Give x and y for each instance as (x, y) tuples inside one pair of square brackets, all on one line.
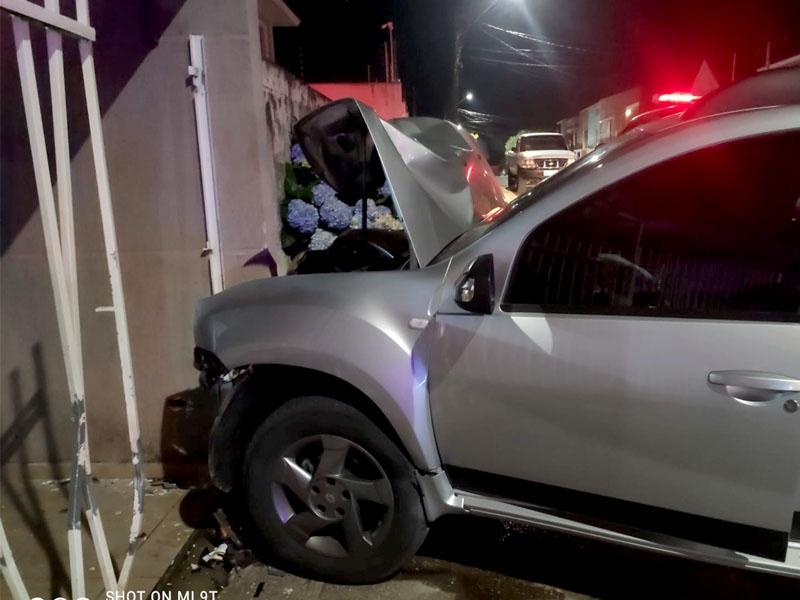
[(385, 97), (148, 119), (286, 100)]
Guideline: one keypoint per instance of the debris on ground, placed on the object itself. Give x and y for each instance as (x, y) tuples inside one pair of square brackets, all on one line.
[(216, 555), (237, 556), (155, 486)]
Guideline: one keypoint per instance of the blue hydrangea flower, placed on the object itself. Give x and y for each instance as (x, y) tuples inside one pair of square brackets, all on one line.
[(302, 216), (370, 208), (297, 156), (321, 240), (385, 190), (322, 192), (355, 223), (335, 214)]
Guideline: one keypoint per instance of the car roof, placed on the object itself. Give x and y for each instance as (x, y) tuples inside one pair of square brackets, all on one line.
[(705, 130), (775, 87)]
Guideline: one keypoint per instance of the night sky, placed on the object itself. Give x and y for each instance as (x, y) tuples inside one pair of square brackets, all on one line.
[(532, 62)]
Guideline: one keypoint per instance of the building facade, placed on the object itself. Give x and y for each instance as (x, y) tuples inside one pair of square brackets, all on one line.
[(600, 122)]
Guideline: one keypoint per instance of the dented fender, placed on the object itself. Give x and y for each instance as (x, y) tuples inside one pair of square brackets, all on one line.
[(369, 330)]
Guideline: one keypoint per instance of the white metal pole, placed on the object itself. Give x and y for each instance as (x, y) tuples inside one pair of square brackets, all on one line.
[(202, 115), (66, 221), (81, 475), (117, 293), (9, 569), (44, 190)]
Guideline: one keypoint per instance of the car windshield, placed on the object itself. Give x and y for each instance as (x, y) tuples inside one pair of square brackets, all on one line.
[(542, 142), (497, 217)]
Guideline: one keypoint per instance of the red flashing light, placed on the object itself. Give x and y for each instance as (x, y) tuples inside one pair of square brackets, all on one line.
[(469, 172), (678, 98)]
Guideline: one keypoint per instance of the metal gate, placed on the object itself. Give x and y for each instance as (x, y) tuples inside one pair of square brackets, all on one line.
[(60, 243)]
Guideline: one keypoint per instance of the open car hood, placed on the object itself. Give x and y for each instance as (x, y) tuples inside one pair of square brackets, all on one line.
[(440, 182)]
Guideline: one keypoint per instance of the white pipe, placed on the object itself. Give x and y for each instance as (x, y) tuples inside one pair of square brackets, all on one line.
[(9, 569), (202, 115), (117, 293)]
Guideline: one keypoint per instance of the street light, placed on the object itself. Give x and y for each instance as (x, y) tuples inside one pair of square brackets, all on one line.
[(469, 97)]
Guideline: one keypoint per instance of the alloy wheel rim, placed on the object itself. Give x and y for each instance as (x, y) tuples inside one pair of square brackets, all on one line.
[(332, 496)]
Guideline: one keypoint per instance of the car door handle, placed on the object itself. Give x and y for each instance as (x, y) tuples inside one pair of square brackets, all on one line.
[(754, 386), (757, 380)]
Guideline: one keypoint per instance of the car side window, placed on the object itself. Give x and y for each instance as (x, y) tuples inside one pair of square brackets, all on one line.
[(711, 234)]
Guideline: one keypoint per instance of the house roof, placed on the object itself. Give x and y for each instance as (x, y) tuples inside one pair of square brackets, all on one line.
[(277, 13)]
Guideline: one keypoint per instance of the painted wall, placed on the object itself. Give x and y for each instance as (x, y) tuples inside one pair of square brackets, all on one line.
[(287, 100), (148, 120), (386, 98)]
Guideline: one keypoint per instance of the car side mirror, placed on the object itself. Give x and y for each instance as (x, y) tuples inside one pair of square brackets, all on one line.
[(475, 288)]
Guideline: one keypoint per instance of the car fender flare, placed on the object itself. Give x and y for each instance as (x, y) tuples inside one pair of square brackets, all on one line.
[(256, 393)]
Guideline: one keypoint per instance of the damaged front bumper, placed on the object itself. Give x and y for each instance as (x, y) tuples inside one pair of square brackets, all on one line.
[(210, 367), (212, 370)]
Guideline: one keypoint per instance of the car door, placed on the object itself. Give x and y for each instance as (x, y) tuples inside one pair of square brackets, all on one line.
[(644, 366)]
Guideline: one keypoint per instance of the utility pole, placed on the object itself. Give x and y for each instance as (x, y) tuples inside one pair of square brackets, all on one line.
[(467, 14), (390, 54), (386, 61)]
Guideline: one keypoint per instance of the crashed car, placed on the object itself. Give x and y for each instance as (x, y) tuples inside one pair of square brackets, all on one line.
[(615, 355)]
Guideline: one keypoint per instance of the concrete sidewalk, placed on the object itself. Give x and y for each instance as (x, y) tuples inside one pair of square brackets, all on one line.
[(463, 557), (34, 513)]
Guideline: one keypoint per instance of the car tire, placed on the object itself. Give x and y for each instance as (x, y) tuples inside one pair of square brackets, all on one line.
[(330, 495)]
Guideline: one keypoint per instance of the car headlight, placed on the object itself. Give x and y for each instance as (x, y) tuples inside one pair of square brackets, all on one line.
[(529, 163)]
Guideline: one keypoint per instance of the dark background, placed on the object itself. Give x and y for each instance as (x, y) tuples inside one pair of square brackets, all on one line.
[(584, 49)]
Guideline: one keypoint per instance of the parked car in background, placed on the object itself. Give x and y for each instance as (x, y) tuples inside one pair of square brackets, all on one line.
[(613, 355), (536, 156)]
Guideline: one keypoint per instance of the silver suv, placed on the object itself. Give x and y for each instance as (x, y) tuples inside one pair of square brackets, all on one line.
[(616, 354)]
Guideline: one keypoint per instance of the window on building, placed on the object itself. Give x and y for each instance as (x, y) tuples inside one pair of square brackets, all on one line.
[(714, 233)]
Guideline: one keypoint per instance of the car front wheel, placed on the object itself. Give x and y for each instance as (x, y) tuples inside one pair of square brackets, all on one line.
[(331, 496)]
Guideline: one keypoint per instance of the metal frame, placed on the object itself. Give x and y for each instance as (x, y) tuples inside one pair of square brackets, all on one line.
[(8, 567), (49, 17), (60, 247)]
